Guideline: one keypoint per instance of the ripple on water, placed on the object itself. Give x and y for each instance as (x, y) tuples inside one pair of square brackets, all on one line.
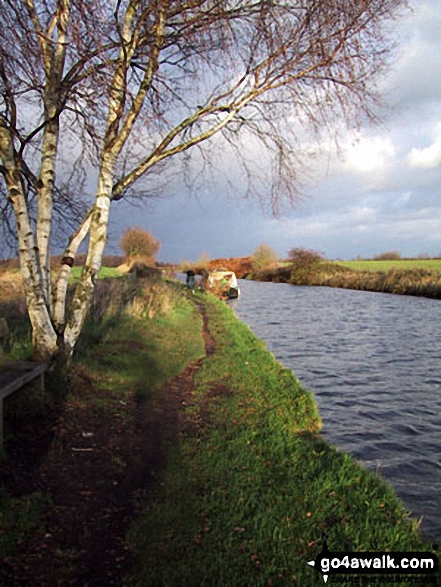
[(403, 430), (373, 361)]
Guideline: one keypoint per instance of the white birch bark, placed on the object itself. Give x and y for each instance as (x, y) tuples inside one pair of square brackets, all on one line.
[(46, 184), (330, 53), (43, 333), (117, 130), (62, 280), (97, 241), (54, 59)]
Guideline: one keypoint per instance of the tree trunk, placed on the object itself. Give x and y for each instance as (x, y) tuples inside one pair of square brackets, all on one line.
[(100, 215), (54, 57), (44, 337), (62, 281), (46, 184), (97, 242)]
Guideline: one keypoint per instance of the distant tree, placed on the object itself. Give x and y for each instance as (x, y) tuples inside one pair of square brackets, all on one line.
[(304, 258), (388, 256), (138, 244), (264, 258)]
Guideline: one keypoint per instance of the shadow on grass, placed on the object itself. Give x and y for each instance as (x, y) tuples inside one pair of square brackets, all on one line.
[(106, 444)]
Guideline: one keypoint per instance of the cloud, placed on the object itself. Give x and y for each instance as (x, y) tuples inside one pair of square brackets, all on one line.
[(365, 229), (370, 154), (429, 157), (416, 77), (382, 195)]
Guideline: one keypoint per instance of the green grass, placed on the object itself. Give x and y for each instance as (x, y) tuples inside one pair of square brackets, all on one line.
[(380, 265), (249, 490), (130, 352), (122, 358), (250, 486), (405, 277), (20, 343), (18, 517), (103, 272)]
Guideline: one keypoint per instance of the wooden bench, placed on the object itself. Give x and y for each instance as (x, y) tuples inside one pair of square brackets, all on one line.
[(14, 376)]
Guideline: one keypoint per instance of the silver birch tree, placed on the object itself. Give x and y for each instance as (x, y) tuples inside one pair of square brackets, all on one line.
[(143, 81)]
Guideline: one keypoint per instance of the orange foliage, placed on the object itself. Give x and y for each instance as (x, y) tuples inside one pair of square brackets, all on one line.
[(240, 265)]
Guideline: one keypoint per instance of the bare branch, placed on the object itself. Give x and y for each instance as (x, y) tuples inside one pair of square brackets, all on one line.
[(120, 88)]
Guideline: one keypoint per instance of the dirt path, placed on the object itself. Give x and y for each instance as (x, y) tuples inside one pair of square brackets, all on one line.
[(93, 478)]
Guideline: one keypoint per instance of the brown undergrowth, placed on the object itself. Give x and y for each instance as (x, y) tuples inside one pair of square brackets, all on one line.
[(415, 282)]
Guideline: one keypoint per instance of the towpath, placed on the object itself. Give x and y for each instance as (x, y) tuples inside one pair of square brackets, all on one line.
[(93, 503)]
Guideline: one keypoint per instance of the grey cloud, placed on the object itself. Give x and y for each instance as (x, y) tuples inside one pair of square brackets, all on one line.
[(348, 212)]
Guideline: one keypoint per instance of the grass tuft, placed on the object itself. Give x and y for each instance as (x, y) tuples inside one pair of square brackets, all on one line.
[(156, 298)]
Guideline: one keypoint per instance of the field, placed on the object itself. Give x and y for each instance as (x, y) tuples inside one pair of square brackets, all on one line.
[(103, 273), (385, 266), (11, 281)]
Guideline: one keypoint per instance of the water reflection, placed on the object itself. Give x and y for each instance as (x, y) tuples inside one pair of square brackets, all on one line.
[(373, 362)]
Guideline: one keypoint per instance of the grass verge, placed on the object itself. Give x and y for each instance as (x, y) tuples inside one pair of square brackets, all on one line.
[(135, 349), (251, 487), (55, 503), (103, 273), (242, 490)]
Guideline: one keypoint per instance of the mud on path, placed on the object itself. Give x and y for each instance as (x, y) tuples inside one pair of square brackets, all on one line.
[(94, 466)]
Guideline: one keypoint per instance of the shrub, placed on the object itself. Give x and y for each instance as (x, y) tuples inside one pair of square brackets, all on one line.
[(157, 298), (306, 266), (303, 258), (388, 256), (139, 244), (264, 258), (7, 264), (11, 285), (185, 265), (112, 260)]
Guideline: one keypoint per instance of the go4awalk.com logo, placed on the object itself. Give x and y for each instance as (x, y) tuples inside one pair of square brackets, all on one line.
[(374, 563)]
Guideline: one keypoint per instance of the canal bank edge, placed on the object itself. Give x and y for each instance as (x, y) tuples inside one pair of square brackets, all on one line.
[(418, 282), (244, 490), (259, 487)]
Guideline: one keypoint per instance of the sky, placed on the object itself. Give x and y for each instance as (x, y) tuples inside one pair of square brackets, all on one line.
[(382, 194)]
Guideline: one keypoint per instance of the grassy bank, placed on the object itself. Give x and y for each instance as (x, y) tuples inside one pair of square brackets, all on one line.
[(79, 455), (378, 277), (212, 469), (11, 280), (103, 273), (251, 486)]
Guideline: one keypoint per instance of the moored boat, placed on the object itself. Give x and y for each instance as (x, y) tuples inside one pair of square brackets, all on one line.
[(223, 283)]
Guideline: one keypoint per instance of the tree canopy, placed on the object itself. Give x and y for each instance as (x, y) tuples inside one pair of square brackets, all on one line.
[(264, 258), (126, 85), (138, 244)]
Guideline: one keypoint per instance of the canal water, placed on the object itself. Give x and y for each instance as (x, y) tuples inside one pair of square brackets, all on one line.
[(373, 362)]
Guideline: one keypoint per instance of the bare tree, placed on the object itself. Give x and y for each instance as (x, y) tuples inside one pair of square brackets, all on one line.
[(304, 258), (133, 83), (139, 245), (264, 258)]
